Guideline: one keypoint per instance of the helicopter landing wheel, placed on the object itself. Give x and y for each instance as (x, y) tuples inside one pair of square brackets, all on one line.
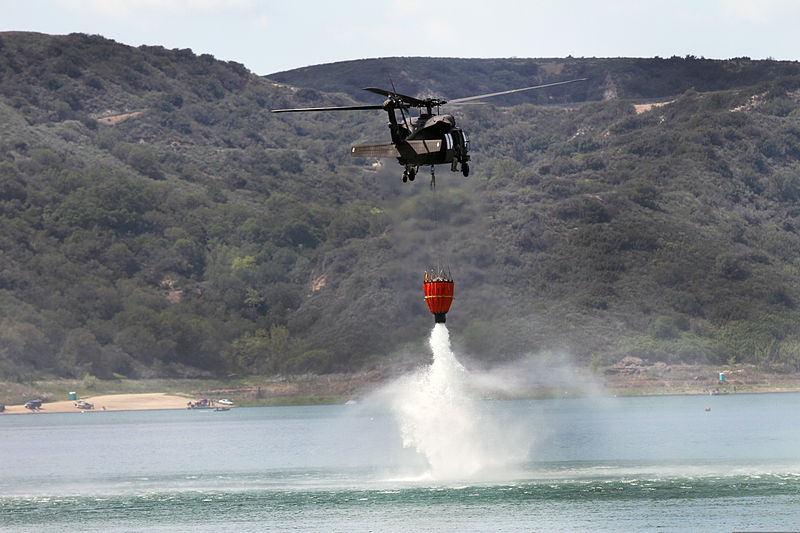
[(465, 169), (409, 173)]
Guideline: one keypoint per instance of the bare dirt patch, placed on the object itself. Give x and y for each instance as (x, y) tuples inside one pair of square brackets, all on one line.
[(116, 119), (643, 108)]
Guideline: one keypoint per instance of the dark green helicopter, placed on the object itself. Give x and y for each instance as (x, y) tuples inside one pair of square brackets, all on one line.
[(426, 140)]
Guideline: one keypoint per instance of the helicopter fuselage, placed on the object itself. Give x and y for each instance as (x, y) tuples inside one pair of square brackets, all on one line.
[(426, 140), (429, 139)]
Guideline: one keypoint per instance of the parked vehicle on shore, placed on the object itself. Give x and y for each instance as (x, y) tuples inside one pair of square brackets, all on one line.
[(33, 405)]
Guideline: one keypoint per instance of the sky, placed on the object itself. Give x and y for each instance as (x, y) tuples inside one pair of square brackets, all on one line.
[(275, 35)]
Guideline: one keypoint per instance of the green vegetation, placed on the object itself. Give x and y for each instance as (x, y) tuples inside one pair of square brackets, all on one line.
[(609, 78), (158, 221)]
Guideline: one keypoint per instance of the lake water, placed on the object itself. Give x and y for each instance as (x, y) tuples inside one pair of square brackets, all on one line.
[(628, 464), (423, 454)]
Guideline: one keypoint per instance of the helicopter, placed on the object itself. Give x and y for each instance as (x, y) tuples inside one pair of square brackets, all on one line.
[(428, 139)]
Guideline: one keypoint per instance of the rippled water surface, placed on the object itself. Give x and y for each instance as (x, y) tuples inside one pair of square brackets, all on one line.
[(627, 464)]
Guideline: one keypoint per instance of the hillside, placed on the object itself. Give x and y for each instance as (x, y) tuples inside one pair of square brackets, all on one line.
[(158, 220), (608, 78)]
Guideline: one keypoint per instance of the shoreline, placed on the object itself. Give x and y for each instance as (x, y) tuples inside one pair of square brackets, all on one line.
[(149, 401), (156, 401), (630, 377)]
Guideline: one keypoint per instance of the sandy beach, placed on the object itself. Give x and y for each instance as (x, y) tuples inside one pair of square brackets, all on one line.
[(111, 402)]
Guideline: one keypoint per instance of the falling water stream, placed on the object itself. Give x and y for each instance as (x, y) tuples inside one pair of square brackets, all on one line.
[(441, 418)]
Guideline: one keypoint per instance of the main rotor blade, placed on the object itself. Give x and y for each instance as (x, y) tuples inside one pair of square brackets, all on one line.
[(410, 100), (341, 108), (489, 95)]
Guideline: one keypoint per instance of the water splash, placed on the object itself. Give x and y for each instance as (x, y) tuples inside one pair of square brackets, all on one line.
[(444, 421)]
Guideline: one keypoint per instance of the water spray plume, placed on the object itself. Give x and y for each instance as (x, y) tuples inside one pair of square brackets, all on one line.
[(443, 422)]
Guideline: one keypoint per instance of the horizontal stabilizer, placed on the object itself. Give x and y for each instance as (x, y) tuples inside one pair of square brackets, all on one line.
[(392, 150)]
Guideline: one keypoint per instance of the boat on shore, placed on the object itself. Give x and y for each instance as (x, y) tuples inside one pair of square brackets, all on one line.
[(201, 403)]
